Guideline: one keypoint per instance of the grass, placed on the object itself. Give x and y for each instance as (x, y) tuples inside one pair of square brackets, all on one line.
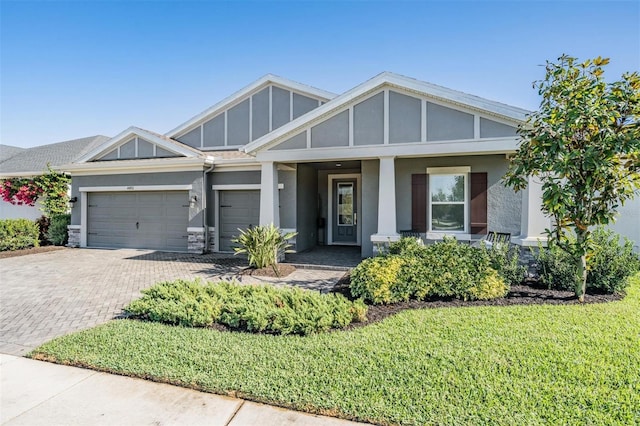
[(525, 365)]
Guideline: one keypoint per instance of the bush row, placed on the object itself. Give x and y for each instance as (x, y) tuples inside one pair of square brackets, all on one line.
[(610, 263), (411, 270), (254, 308), (17, 234)]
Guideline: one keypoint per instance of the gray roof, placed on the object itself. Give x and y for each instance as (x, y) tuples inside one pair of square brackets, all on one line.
[(35, 160), (8, 151)]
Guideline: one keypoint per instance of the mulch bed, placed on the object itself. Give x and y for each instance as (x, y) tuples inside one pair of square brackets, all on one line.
[(528, 293), (283, 270), (32, 250)]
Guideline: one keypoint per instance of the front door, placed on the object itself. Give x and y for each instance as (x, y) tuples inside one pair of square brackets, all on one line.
[(345, 214)]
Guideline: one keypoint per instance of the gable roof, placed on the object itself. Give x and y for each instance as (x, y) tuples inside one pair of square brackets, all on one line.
[(246, 91), (8, 151), (153, 137), (390, 79), (33, 161)]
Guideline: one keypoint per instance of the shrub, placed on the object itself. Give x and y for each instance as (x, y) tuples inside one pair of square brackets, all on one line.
[(505, 259), (610, 263), (444, 269), (58, 233), (377, 280), (407, 246), (455, 270), (178, 302), (43, 227), (262, 308), (16, 234), (263, 244)]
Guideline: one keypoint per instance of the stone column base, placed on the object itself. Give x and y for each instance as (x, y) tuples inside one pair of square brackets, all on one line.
[(195, 240), (73, 231)]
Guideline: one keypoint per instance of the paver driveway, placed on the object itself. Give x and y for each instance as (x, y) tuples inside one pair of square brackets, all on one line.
[(51, 294)]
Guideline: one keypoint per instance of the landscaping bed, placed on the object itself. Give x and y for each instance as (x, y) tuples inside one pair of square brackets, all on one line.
[(502, 365), (32, 250), (523, 294)]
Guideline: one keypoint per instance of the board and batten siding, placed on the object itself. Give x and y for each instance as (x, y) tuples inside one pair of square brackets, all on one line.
[(249, 118), (390, 117)]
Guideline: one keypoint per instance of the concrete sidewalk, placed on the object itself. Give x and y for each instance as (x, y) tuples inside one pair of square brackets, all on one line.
[(40, 393)]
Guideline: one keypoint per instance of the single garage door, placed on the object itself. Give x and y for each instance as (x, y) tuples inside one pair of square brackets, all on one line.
[(238, 210), (147, 220)]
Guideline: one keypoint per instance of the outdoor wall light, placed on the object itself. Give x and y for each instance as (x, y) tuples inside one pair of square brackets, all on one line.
[(73, 201), (193, 201)]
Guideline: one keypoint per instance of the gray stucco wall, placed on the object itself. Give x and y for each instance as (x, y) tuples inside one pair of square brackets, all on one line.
[(503, 204), (196, 216), (306, 208), (369, 215)]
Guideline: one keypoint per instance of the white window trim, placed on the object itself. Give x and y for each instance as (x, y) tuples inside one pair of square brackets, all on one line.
[(459, 171)]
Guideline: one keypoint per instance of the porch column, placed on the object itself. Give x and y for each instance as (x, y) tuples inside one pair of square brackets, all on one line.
[(533, 222), (386, 202), (269, 198)]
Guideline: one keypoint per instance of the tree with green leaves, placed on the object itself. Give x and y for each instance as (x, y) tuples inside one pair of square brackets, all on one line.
[(583, 145)]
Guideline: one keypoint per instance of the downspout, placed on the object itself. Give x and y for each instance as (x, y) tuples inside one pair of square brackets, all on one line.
[(205, 224)]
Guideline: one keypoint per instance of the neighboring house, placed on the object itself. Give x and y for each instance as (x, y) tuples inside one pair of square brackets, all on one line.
[(390, 155), (29, 162)]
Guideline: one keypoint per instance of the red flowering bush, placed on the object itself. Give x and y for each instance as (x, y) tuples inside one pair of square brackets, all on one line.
[(51, 186)]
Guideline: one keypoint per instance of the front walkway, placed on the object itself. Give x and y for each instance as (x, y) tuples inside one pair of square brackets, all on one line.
[(342, 257), (51, 294)]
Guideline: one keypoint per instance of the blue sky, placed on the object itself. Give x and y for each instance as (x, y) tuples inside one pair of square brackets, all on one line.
[(74, 69)]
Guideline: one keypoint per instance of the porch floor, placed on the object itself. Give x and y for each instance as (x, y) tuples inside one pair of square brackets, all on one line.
[(330, 257)]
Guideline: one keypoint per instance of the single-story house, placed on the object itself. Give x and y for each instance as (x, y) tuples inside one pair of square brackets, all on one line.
[(391, 155), (16, 162)]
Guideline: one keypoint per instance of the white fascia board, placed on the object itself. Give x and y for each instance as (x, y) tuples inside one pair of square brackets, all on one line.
[(508, 111), (156, 165), (24, 174), (240, 186), (429, 149), (135, 188), (252, 88), (483, 106), (132, 132)]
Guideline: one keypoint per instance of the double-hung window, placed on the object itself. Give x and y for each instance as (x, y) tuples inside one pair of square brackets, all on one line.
[(448, 199)]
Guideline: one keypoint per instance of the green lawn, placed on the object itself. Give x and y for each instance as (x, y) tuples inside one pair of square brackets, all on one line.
[(482, 365)]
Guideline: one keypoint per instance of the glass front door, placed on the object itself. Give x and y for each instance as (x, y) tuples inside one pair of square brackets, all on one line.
[(345, 212)]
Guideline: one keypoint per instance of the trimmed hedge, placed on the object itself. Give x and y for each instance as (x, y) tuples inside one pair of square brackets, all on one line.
[(610, 263), (415, 271), (254, 308), (17, 234)]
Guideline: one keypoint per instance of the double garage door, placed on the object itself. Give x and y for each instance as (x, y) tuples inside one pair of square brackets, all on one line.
[(155, 220)]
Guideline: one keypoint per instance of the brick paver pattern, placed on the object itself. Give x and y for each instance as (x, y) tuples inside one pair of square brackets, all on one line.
[(46, 295)]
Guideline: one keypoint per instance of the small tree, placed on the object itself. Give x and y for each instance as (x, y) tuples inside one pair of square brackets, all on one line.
[(583, 144)]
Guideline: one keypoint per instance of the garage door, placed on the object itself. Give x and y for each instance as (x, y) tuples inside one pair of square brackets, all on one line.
[(238, 209), (148, 220)]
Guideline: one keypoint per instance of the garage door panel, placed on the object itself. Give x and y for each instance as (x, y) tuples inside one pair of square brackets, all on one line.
[(151, 220), (238, 209)]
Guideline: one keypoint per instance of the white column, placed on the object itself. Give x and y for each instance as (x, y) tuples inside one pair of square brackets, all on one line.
[(533, 222), (269, 198), (386, 202)]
